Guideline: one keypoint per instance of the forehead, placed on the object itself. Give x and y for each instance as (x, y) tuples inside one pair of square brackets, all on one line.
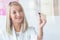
[(15, 7)]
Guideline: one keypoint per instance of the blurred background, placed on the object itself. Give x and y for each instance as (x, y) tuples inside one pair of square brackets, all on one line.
[(31, 8)]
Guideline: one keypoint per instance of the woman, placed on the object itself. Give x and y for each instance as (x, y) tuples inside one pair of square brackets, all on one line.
[(17, 26)]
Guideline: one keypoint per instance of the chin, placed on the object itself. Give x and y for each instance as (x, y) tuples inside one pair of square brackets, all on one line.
[(19, 21)]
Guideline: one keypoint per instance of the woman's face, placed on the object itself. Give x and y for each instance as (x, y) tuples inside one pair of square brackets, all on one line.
[(16, 14)]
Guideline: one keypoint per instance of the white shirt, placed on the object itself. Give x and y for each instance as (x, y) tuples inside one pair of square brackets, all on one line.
[(30, 34)]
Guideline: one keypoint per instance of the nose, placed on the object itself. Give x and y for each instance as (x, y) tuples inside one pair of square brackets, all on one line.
[(18, 14)]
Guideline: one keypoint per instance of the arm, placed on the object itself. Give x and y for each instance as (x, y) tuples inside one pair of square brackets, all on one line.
[(41, 24)]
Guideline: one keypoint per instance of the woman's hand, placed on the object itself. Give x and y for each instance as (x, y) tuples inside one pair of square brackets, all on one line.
[(42, 20), (41, 24)]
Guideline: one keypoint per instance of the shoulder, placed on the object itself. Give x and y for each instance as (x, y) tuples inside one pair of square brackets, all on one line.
[(31, 30), (31, 33)]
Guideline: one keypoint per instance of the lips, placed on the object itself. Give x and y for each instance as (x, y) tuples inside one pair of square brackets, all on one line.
[(18, 17)]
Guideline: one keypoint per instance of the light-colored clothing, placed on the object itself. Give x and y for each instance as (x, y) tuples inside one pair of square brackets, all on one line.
[(30, 34)]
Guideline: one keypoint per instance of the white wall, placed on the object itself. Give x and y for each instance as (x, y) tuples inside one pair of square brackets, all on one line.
[(2, 22), (31, 12), (52, 28)]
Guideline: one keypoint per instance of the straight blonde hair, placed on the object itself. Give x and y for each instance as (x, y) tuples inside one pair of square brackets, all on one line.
[(9, 22)]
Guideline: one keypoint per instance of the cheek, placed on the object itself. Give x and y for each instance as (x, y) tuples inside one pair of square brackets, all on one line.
[(22, 15)]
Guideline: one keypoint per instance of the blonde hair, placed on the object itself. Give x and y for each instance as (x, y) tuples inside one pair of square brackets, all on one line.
[(9, 22)]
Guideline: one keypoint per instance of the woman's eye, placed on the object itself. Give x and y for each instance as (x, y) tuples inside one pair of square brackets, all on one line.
[(14, 12)]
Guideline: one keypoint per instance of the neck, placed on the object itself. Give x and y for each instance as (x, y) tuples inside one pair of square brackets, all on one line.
[(17, 27)]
